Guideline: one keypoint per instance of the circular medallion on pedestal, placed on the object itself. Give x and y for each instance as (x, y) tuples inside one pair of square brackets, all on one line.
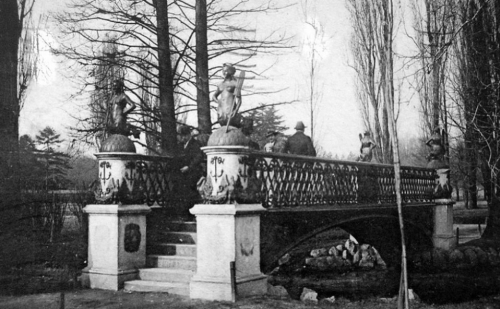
[(117, 143), (233, 137)]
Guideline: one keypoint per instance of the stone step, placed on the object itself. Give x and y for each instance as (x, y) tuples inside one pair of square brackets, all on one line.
[(172, 249), (178, 288), (178, 237), (171, 261), (165, 274), (182, 226)]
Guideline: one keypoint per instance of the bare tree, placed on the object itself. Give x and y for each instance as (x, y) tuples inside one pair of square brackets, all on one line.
[(158, 36), (434, 23), (368, 43), (14, 78), (477, 88), (202, 82), (314, 45)]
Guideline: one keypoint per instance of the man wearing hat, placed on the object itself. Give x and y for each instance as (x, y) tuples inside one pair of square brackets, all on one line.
[(270, 141), (299, 143), (190, 157)]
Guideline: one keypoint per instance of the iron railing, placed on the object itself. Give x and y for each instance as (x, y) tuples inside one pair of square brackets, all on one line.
[(284, 181), (289, 180)]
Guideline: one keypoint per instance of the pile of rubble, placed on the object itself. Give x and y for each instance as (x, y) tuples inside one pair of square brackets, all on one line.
[(345, 255)]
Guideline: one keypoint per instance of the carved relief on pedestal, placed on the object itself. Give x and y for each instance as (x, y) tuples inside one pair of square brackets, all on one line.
[(228, 180), (118, 182)]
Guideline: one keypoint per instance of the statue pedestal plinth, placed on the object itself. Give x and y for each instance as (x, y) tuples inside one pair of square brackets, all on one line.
[(228, 233), (116, 245), (443, 237)]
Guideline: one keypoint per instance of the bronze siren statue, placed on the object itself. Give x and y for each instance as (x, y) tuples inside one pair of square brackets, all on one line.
[(228, 96)]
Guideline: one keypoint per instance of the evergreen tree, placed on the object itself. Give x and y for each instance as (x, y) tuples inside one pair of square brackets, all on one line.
[(30, 168), (265, 119), (55, 163)]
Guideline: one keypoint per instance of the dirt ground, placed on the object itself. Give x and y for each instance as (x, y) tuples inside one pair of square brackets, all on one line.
[(110, 300)]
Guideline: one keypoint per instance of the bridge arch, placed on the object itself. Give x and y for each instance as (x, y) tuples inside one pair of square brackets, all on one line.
[(281, 232)]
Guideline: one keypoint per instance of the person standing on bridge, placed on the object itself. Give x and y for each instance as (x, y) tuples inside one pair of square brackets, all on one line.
[(299, 143)]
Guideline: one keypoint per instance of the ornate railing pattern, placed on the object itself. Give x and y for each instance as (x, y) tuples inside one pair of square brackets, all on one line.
[(275, 180), (159, 179), (288, 181)]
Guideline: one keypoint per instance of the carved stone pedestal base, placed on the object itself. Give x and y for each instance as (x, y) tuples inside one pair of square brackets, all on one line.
[(228, 233), (117, 245)]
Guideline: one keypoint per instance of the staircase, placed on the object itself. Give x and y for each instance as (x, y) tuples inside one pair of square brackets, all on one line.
[(170, 260)]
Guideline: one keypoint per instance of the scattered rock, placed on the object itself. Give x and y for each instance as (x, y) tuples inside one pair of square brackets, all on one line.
[(412, 295), (351, 246), (456, 257), (439, 258), (277, 290), (380, 262), (481, 256), (333, 251), (309, 296), (329, 300), (319, 252), (471, 256), (284, 259)]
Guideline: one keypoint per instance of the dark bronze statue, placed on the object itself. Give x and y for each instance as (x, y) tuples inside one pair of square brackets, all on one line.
[(435, 143), (367, 146), (228, 96), (122, 106)]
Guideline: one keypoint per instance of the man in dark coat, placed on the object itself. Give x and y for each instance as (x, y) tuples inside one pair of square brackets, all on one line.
[(247, 129), (189, 162), (190, 154), (299, 143)]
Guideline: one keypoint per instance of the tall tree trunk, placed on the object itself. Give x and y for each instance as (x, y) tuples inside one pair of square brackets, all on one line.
[(202, 91), (471, 161), (165, 79), (10, 29)]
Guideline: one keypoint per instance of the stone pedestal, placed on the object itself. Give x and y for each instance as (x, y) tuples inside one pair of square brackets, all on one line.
[(117, 245), (442, 236), (227, 233)]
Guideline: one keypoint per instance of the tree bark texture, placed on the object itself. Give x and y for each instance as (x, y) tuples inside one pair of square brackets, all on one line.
[(202, 85), (166, 81), (10, 29)]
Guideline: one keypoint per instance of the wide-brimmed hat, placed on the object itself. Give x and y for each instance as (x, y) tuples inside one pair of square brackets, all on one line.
[(183, 129), (271, 133), (300, 126)]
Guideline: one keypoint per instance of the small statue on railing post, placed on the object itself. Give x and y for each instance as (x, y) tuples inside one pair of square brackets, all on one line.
[(367, 146), (437, 161)]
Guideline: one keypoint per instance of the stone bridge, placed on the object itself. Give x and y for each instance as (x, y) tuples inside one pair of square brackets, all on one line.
[(258, 206)]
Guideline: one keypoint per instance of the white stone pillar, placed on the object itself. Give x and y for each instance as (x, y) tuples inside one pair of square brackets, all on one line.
[(227, 233), (443, 236), (116, 245)]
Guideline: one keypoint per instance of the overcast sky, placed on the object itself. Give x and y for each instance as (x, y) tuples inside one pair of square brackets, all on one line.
[(338, 121)]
